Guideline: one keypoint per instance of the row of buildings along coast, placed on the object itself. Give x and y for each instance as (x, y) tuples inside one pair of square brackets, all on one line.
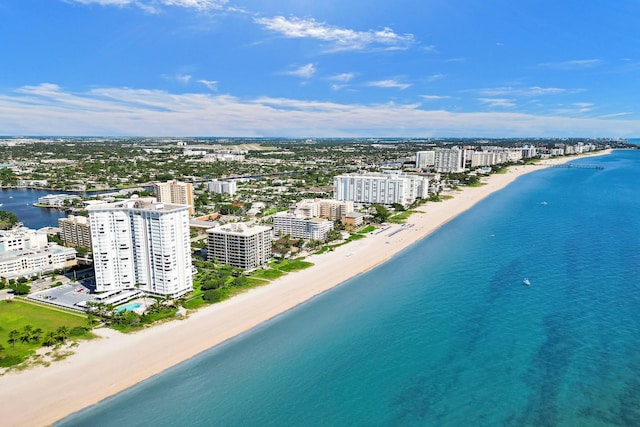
[(143, 243)]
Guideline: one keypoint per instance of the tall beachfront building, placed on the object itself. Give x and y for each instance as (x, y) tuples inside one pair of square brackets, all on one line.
[(382, 188), (141, 244), (240, 245), (425, 159), (450, 160), (443, 160), (176, 192)]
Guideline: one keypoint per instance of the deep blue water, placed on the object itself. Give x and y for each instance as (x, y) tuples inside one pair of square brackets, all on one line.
[(635, 141), (20, 202), (445, 334)]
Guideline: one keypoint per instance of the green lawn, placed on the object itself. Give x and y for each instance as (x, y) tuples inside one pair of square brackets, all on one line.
[(17, 314), (367, 229), (292, 265), (270, 274), (401, 217)]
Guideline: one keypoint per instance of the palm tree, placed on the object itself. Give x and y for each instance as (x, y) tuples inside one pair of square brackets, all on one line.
[(35, 334), (50, 339), (90, 319), (109, 310), (144, 300), (27, 333), (14, 335), (25, 336), (62, 333), (156, 307)]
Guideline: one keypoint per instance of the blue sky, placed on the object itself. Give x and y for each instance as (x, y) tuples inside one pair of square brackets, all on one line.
[(320, 68)]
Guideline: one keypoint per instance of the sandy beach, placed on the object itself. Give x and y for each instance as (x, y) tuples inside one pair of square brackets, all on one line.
[(103, 367)]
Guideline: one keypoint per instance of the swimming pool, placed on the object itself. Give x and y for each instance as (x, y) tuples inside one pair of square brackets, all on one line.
[(129, 307)]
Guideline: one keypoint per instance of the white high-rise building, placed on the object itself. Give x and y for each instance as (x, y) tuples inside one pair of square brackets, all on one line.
[(529, 151), (299, 227), (382, 188), (240, 245), (425, 159), (176, 192), (222, 187), (449, 160), (483, 158), (141, 244)]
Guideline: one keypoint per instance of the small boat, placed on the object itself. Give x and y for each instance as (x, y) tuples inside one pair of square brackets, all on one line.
[(526, 282), (543, 203)]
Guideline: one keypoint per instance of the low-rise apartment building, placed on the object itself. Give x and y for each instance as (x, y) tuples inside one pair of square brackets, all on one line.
[(25, 253), (297, 226), (75, 231)]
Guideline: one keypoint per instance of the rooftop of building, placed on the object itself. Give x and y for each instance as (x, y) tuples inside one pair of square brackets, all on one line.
[(354, 215), (139, 203), (51, 248), (240, 229)]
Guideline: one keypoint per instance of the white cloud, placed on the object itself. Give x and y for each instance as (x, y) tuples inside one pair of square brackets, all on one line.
[(528, 91), (211, 84), (152, 5), (183, 78), (104, 2), (343, 77), (435, 77), (195, 4), (606, 116), (339, 38), (434, 97), (48, 109), (393, 84), (498, 102), (304, 72), (575, 108), (572, 64), (180, 78)]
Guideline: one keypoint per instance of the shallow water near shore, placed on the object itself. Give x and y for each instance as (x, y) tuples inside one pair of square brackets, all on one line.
[(446, 333)]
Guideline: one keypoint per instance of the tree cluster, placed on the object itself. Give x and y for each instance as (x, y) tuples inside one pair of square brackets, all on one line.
[(7, 220), (31, 335)]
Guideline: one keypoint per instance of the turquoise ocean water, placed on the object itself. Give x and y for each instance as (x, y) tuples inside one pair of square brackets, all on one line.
[(446, 333)]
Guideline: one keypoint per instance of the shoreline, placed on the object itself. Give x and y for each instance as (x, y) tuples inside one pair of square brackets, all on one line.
[(104, 367)]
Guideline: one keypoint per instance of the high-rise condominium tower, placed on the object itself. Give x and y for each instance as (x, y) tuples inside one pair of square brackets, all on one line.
[(143, 244)]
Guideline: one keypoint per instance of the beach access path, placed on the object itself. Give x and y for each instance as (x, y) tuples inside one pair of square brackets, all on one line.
[(106, 366)]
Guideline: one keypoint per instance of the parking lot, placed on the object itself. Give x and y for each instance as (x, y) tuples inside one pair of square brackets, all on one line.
[(67, 296)]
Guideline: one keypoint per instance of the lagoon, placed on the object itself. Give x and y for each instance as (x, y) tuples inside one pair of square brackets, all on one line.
[(20, 202)]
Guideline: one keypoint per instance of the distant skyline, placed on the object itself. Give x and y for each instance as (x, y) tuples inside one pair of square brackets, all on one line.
[(303, 68)]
